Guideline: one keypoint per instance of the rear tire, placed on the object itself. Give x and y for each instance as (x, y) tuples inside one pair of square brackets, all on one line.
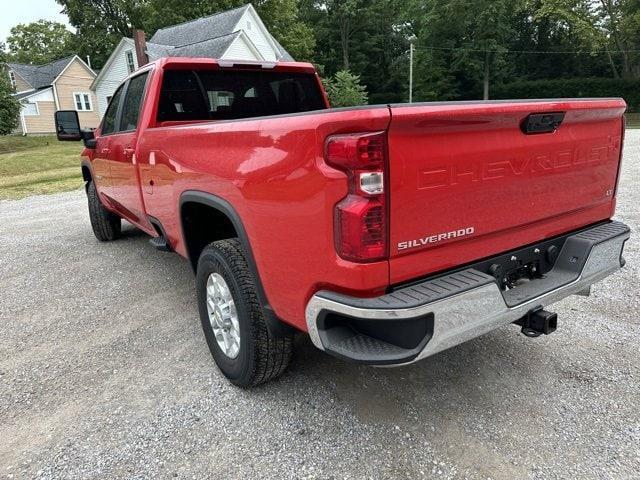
[(106, 225), (225, 283)]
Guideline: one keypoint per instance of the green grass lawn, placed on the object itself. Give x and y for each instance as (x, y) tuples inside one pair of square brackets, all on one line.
[(38, 165)]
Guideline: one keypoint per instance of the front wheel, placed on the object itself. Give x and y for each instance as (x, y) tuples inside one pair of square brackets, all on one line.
[(106, 225), (233, 319)]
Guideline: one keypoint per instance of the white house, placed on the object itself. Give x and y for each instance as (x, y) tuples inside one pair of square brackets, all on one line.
[(237, 34)]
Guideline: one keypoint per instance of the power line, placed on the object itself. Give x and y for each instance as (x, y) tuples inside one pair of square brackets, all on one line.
[(559, 52)]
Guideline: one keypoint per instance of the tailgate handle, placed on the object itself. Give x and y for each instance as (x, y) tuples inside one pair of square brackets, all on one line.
[(542, 123)]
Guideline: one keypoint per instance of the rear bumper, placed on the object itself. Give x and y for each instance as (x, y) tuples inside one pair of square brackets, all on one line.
[(420, 320)]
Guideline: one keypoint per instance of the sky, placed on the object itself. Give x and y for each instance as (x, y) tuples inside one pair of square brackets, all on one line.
[(27, 11)]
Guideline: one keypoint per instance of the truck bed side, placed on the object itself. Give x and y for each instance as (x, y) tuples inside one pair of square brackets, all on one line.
[(271, 170)]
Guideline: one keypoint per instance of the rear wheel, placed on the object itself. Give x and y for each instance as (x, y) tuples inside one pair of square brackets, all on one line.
[(233, 319), (106, 225)]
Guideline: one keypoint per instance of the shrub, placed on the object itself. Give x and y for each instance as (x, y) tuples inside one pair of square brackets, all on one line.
[(345, 90), (9, 106)]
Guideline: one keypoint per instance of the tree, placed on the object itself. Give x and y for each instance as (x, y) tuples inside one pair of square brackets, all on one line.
[(345, 90), (9, 106), (282, 19), (621, 25), (371, 36), (39, 42), (101, 24), (460, 46)]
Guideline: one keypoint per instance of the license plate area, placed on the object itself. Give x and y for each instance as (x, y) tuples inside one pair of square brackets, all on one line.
[(514, 268)]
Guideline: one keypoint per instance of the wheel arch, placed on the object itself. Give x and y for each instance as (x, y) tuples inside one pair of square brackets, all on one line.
[(87, 175), (193, 199)]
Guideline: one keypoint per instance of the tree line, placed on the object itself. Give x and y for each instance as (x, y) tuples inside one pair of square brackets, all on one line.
[(463, 48)]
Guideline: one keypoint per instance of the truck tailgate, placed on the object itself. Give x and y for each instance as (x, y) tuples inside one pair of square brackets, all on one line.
[(466, 182)]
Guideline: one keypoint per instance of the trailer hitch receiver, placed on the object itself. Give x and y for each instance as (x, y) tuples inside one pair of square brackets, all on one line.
[(538, 322)]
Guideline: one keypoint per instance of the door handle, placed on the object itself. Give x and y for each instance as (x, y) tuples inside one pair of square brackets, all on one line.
[(537, 123), (128, 152), (105, 151)]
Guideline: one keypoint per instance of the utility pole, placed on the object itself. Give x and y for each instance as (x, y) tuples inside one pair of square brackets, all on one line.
[(487, 74), (411, 70)]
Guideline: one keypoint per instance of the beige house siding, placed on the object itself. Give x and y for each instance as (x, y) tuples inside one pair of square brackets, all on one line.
[(42, 123), (77, 79), (21, 85)]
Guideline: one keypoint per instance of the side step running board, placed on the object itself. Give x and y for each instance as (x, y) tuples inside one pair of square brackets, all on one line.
[(160, 243)]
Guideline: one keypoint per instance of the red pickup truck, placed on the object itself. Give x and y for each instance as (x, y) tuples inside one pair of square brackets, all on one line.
[(387, 233)]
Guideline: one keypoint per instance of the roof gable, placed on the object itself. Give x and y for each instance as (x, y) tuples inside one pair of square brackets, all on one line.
[(81, 62), (243, 41)]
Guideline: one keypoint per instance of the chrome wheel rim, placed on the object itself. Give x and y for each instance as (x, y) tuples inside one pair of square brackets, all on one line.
[(223, 316)]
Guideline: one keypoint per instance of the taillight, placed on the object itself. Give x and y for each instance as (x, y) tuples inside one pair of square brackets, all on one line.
[(361, 218)]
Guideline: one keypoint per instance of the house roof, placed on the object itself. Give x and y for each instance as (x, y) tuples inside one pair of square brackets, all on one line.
[(40, 76), (21, 95), (197, 35), (30, 93), (200, 29), (207, 37), (286, 56), (212, 48)]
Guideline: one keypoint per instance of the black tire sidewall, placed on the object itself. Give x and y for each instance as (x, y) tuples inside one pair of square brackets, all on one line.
[(106, 225), (240, 368)]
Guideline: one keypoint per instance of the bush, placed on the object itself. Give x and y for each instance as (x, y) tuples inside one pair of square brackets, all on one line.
[(9, 106), (345, 90), (573, 88), (382, 98)]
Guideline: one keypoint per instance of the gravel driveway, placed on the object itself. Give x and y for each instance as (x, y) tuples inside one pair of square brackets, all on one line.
[(104, 373)]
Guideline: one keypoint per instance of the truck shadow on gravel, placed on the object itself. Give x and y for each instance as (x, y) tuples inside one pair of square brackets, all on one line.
[(476, 375)]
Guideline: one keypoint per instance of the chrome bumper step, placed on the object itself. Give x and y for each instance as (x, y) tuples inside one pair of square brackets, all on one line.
[(422, 319)]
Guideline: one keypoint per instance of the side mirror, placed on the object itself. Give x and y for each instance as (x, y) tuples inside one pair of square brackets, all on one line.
[(67, 126), (88, 137), (68, 129)]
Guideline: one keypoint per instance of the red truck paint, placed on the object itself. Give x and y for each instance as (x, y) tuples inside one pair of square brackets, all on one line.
[(451, 167), (513, 190)]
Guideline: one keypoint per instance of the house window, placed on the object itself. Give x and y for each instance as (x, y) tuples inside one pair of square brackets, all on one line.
[(130, 64), (248, 25), (30, 109), (12, 77), (82, 102)]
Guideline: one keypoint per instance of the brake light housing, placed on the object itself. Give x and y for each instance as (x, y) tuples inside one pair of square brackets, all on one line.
[(361, 232)]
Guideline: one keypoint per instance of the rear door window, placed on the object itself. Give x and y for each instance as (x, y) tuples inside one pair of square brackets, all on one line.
[(226, 94), (182, 97), (132, 103), (111, 115)]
